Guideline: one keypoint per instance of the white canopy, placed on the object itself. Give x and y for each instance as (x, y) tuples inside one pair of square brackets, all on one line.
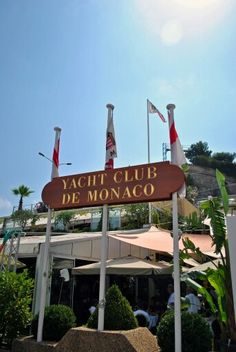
[(126, 266)]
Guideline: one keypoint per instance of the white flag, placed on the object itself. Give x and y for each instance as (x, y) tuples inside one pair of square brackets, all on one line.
[(153, 110), (55, 158), (177, 153), (111, 152)]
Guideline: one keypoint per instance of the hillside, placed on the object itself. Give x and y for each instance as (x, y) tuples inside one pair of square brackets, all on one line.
[(204, 178)]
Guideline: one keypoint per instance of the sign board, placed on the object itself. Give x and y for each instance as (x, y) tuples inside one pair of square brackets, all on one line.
[(141, 183)]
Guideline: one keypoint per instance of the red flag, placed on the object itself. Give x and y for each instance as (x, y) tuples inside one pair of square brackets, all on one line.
[(110, 140), (153, 110), (55, 158), (177, 153)]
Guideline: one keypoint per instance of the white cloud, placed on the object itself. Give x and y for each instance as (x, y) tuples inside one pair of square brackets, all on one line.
[(5, 205), (171, 88)]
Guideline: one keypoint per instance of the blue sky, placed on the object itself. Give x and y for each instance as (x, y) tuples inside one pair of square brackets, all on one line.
[(62, 61)]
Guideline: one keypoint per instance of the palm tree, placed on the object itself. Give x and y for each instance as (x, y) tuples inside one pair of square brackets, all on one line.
[(22, 191)]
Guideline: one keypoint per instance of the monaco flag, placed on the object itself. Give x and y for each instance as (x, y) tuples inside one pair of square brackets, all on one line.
[(177, 153), (55, 158), (110, 140), (153, 110)]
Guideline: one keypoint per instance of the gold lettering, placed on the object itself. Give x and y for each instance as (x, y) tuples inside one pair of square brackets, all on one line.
[(138, 174), (116, 175), (102, 176), (91, 180), (64, 183), (148, 189), (80, 180), (126, 193), (103, 195), (65, 198), (127, 179), (115, 192), (135, 191), (75, 197), (152, 172), (73, 183), (92, 196)]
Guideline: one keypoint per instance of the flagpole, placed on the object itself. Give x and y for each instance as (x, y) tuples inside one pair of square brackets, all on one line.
[(105, 212), (44, 278), (102, 283), (177, 305), (148, 142), (148, 134)]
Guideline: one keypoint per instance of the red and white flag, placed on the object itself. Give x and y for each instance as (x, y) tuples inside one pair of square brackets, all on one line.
[(177, 153), (55, 158), (153, 110), (110, 140)]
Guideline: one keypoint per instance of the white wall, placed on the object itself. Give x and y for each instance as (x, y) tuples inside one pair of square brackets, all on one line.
[(231, 229)]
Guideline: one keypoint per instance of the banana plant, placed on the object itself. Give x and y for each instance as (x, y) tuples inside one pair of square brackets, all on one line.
[(219, 278)]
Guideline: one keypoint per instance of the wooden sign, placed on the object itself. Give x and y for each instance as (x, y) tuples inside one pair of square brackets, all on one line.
[(141, 183)]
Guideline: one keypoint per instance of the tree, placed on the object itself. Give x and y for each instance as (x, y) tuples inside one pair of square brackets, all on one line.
[(198, 149), (22, 191), (65, 218), (136, 215), (196, 334), (118, 312), (192, 193), (224, 157), (16, 292), (58, 319), (220, 278), (23, 216)]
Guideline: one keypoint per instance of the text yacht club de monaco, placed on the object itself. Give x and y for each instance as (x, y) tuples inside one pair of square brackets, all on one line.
[(134, 184)]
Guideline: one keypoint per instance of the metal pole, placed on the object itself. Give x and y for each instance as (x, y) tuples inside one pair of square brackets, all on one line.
[(177, 305), (148, 142), (102, 284), (148, 134), (44, 278)]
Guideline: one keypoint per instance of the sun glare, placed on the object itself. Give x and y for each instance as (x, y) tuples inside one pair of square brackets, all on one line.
[(171, 32), (174, 20), (198, 4)]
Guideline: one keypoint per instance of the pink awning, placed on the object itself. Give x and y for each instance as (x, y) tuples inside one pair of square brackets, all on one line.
[(161, 241)]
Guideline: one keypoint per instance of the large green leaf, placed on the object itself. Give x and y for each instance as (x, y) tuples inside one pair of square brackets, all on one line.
[(200, 289), (217, 280), (224, 194), (212, 210)]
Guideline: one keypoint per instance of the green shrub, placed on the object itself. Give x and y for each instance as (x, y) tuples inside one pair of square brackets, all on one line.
[(196, 334), (118, 312), (16, 291), (58, 319)]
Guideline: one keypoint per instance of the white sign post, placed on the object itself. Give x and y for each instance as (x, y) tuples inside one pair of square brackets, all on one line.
[(44, 278), (177, 306), (102, 285)]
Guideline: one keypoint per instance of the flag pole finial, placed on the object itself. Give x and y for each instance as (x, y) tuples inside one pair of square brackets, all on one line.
[(170, 107), (110, 106), (57, 129)]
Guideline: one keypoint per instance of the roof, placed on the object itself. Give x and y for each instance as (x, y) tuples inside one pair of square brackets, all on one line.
[(205, 266), (126, 266), (161, 240), (134, 242)]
